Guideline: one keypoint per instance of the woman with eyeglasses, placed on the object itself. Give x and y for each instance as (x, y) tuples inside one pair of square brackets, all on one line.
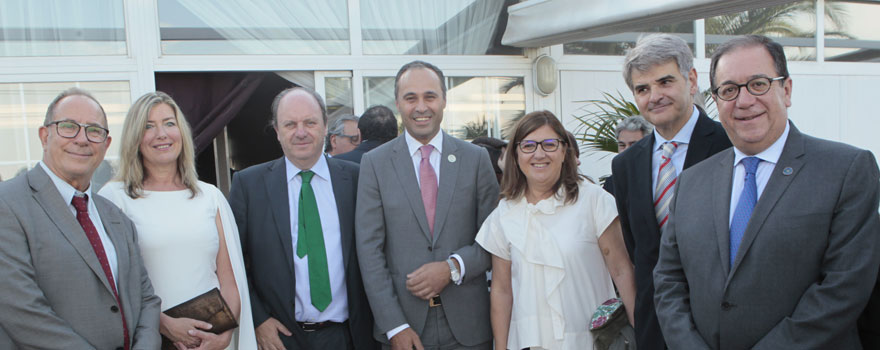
[(555, 242), (186, 230)]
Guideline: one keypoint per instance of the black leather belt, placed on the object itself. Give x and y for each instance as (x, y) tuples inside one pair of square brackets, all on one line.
[(435, 301), (316, 326)]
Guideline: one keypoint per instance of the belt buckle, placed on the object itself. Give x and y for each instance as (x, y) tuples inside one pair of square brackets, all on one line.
[(432, 303), (308, 324)]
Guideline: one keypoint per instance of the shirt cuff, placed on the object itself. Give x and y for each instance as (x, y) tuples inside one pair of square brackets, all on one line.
[(461, 268), (399, 329)]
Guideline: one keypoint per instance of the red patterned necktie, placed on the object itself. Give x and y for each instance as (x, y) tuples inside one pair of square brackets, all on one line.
[(665, 185), (428, 185), (80, 202)]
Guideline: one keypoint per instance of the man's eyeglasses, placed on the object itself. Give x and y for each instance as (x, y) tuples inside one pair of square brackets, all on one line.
[(69, 129), (548, 145), (756, 86)]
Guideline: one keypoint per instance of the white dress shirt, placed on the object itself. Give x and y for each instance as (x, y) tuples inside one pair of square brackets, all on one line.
[(769, 157), (683, 137), (337, 311), (67, 192)]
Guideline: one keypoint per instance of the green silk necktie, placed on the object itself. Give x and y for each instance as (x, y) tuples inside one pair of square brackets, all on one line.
[(310, 242)]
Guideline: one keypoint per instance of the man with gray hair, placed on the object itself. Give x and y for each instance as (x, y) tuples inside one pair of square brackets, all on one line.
[(628, 131), (660, 72), (342, 135)]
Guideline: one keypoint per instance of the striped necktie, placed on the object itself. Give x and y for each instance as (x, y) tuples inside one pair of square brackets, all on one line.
[(665, 185)]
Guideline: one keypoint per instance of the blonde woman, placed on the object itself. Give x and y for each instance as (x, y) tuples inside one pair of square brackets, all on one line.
[(188, 237)]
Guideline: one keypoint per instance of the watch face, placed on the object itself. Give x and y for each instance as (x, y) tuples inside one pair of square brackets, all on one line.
[(454, 274)]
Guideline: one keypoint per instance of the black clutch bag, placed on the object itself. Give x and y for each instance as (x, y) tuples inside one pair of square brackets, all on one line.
[(208, 307)]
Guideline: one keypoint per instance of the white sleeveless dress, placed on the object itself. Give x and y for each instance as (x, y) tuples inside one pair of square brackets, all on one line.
[(179, 241)]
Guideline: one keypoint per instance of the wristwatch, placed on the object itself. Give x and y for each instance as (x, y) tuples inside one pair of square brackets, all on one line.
[(454, 274)]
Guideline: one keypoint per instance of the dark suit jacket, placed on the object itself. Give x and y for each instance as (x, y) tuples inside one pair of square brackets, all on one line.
[(869, 321), (357, 153), (806, 265), (54, 293), (608, 186), (260, 204), (632, 178)]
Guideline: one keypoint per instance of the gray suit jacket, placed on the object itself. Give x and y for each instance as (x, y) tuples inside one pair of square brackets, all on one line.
[(807, 262), (393, 238), (54, 293)]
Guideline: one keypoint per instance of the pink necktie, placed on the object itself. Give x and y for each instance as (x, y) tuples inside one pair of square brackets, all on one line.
[(428, 185), (81, 203)]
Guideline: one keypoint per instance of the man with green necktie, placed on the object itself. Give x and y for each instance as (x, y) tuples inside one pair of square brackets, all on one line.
[(295, 216)]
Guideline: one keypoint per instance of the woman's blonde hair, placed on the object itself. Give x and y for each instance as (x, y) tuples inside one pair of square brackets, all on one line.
[(131, 163)]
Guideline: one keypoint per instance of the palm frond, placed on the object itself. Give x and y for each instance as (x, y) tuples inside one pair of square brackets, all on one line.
[(595, 131)]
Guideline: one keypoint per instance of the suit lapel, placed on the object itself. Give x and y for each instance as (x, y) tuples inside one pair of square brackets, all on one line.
[(699, 145), (116, 231), (448, 176), (402, 162), (776, 186), (276, 191), (342, 190), (644, 152), (59, 213), (721, 206)]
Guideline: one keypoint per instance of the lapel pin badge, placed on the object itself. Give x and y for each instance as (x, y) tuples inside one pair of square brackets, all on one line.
[(451, 158), (787, 171)]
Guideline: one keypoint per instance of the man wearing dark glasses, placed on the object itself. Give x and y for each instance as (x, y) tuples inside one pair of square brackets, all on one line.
[(71, 268), (772, 243)]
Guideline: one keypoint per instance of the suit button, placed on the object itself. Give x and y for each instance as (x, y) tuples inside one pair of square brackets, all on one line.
[(119, 348), (430, 249), (114, 309), (726, 306)]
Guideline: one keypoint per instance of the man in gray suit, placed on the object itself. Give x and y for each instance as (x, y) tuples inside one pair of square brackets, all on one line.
[(295, 216), (421, 199), (71, 268), (772, 244)]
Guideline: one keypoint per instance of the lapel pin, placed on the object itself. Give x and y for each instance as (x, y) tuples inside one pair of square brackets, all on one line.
[(787, 171), (451, 158)]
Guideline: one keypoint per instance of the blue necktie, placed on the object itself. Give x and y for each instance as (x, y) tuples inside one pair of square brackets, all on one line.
[(744, 207)]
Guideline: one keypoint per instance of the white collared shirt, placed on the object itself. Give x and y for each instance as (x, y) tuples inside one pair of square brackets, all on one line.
[(67, 192), (413, 145), (337, 311), (769, 157), (683, 137)]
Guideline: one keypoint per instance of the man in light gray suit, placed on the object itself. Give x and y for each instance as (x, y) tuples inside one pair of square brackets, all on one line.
[(71, 268), (773, 243), (421, 199)]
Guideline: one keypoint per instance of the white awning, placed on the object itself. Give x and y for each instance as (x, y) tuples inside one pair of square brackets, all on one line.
[(535, 23)]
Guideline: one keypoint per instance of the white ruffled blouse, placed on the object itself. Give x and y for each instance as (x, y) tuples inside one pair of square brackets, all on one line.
[(558, 275)]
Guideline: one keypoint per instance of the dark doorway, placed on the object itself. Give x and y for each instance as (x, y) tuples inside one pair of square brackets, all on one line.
[(239, 101)]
